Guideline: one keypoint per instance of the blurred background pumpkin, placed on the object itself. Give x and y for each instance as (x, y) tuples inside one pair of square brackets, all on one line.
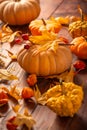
[(19, 12)]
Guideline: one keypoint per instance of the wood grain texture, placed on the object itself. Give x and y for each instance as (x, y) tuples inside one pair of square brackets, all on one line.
[(45, 118)]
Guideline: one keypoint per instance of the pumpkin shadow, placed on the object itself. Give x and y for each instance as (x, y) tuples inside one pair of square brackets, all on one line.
[(69, 123), (4, 108)]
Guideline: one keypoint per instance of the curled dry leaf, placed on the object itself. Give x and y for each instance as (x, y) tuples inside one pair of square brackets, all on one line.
[(16, 108), (11, 55), (6, 75), (21, 119), (7, 35), (13, 92), (37, 93), (67, 76)]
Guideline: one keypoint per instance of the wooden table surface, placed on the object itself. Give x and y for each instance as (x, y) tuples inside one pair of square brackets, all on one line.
[(44, 117)]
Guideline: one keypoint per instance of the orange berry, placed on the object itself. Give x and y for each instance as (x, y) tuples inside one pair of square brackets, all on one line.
[(27, 93)]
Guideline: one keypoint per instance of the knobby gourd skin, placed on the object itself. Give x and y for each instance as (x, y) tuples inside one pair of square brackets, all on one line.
[(65, 99), (46, 62), (78, 28), (19, 12)]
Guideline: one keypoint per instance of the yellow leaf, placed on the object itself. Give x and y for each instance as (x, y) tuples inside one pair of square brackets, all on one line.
[(6, 75), (14, 92), (7, 35), (6, 29), (37, 93), (16, 108), (44, 38)]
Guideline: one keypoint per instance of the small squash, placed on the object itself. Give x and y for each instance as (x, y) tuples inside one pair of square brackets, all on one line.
[(64, 99), (19, 12), (46, 57), (79, 47), (38, 26), (79, 27)]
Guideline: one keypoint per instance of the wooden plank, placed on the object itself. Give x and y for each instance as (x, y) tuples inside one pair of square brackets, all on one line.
[(48, 8), (70, 8), (45, 118)]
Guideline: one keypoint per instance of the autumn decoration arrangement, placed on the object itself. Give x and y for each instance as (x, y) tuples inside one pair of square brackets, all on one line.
[(44, 54)]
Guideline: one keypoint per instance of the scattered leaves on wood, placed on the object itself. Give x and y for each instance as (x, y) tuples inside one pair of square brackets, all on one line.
[(7, 34), (6, 75)]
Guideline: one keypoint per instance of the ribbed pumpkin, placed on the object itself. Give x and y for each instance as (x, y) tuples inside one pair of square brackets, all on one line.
[(38, 26), (19, 12), (79, 47), (45, 62)]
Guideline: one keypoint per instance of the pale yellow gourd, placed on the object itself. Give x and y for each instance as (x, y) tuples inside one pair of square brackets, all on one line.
[(43, 62), (19, 12)]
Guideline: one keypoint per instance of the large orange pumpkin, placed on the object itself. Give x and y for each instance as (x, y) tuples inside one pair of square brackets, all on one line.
[(19, 12), (45, 62), (79, 47)]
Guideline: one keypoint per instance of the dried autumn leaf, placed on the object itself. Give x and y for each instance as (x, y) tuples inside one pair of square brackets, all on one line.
[(6, 29), (7, 35), (16, 108), (11, 55), (37, 93), (25, 118), (67, 76), (6, 75), (14, 92), (44, 38)]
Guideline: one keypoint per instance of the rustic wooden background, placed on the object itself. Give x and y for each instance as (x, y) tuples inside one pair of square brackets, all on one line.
[(45, 118)]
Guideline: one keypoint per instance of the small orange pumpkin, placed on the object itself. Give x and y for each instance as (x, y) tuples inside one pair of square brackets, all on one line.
[(38, 26), (79, 47)]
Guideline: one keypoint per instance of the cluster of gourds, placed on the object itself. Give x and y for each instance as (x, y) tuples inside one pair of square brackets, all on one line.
[(78, 31), (47, 54)]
